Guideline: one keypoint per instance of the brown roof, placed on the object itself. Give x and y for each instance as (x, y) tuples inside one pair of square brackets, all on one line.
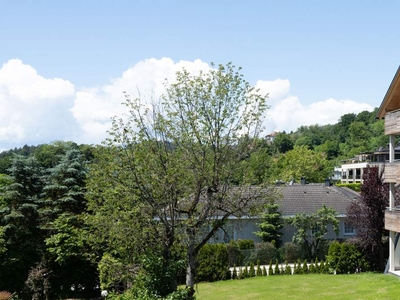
[(391, 101), (311, 197)]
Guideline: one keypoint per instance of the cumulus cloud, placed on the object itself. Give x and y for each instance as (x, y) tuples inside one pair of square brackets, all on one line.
[(37, 110), (34, 109), (93, 108), (287, 113)]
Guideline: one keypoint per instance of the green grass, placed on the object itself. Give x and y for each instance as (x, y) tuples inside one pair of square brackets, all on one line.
[(313, 286)]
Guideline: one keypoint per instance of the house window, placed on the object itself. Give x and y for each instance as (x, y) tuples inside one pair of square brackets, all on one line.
[(348, 229), (315, 229)]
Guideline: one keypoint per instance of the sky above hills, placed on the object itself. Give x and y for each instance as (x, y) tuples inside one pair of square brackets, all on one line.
[(65, 64)]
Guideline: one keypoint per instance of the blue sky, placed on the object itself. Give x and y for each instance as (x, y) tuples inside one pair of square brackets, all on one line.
[(63, 62)]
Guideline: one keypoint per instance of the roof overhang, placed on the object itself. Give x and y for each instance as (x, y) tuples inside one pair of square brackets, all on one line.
[(391, 101)]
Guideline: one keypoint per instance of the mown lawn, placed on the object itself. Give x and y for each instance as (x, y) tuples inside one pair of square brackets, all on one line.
[(313, 286)]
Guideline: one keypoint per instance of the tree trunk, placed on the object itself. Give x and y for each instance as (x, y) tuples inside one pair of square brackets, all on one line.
[(191, 263)]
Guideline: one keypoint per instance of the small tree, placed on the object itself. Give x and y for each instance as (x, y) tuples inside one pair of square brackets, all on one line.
[(312, 228), (271, 224)]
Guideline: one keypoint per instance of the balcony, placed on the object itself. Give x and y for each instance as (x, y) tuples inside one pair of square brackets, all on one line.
[(392, 172), (392, 220), (392, 122)]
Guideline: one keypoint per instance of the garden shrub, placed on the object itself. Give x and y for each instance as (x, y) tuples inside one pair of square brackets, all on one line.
[(298, 269), (235, 255), (345, 258), (264, 271), (277, 271), (258, 271), (245, 273), (212, 262), (234, 273), (245, 244), (252, 271), (305, 267), (264, 252), (270, 270), (291, 252), (288, 269)]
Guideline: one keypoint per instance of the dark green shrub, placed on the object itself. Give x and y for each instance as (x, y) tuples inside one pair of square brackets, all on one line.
[(258, 271), (245, 273), (264, 252), (305, 267), (299, 269), (312, 269), (345, 258), (180, 294), (212, 262), (245, 244), (288, 269), (252, 271), (270, 270), (234, 273), (291, 252), (276, 269), (235, 256), (264, 271)]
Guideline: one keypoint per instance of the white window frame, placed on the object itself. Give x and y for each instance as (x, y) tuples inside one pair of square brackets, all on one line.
[(346, 229)]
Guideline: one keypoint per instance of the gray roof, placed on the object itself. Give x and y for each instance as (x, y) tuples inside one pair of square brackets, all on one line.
[(311, 197)]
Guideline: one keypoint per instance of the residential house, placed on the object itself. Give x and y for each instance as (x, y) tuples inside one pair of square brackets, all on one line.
[(390, 111), (297, 198), (352, 169)]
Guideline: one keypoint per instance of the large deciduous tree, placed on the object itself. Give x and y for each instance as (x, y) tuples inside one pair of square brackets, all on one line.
[(302, 162), (172, 162)]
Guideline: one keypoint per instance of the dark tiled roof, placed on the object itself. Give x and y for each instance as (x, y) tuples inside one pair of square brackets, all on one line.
[(311, 197)]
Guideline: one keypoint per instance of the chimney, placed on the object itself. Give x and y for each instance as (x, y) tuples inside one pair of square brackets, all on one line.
[(303, 181), (328, 182)]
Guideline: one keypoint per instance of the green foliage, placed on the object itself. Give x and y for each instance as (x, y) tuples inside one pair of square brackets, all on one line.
[(270, 269), (259, 270), (291, 252), (277, 271), (264, 252), (311, 229), (245, 244), (234, 272), (264, 271), (252, 271), (305, 267), (354, 186), (245, 271), (282, 142), (288, 269), (113, 272), (345, 258), (271, 224), (296, 164), (235, 256), (212, 262)]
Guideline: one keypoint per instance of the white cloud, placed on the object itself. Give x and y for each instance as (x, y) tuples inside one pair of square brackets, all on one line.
[(93, 108), (33, 109), (37, 110)]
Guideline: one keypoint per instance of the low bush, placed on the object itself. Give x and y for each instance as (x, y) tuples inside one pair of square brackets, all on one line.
[(344, 258), (291, 252), (263, 252), (212, 262)]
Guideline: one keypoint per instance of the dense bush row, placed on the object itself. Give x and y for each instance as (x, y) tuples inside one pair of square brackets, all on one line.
[(222, 261)]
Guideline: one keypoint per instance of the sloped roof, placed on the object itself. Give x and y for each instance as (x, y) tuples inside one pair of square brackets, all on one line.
[(391, 101), (311, 197)]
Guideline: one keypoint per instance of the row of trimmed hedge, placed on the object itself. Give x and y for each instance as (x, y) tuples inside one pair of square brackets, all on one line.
[(218, 261)]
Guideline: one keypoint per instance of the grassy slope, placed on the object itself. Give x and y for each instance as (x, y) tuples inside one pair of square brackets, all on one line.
[(318, 286)]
